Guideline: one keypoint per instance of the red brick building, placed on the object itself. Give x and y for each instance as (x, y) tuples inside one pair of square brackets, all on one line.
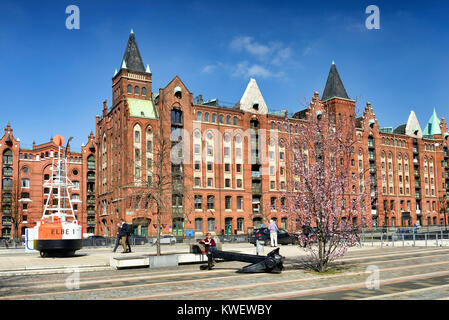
[(24, 172), (233, 182)]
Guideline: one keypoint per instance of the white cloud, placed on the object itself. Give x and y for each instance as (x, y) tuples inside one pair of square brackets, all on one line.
[(249, 45), (274, 52), (246, 70), (209, 68)]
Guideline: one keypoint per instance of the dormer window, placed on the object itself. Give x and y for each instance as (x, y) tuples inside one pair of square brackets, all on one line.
[(178, 92), (256, 105)]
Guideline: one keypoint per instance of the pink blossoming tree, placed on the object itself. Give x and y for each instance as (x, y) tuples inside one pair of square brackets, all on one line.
[(325, 191)]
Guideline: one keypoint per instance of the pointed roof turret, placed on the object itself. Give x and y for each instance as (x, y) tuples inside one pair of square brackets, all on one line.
[(412, 128), (334, 86), (131, 59), (252, 99), (433, 126)]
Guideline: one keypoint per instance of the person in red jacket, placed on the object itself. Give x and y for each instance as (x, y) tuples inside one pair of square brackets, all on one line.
[(209, 244)]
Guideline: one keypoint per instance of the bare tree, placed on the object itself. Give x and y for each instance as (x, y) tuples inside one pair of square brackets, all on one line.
[(16, 210), (162, 182)]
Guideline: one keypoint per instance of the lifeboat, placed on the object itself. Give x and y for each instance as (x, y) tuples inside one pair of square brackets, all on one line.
[(58, 231)]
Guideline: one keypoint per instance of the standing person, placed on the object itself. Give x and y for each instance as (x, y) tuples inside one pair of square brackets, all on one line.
[(117, 241), (273, 233), (122, 235), (128, 230), (209, 244)]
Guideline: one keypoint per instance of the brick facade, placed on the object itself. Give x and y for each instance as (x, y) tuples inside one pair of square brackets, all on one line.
[(23, 174)]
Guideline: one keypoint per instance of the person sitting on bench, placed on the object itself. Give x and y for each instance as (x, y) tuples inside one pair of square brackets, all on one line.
[(209, 244)]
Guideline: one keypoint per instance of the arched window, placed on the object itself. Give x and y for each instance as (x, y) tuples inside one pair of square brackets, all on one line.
[(273, 125), (235, 121), (206, 117), (199, 116), (130, 89), (221, 118), (144, 91), (214, 118), (228, 120), (136, 90), (7, 157)]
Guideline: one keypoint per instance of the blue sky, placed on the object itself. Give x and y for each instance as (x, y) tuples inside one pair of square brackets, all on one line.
[(54, 80)]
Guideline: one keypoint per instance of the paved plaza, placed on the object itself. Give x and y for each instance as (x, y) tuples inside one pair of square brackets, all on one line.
[(399, 272)]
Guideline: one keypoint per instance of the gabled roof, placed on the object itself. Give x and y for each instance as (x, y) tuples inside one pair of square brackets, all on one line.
[(433, 126), (334, 86), (131, 59)]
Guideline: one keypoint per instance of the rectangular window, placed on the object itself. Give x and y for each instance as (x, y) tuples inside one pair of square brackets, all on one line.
[(210, 182), (209, 166), (228, 202), (227, 183), (273, 203), (238, 152), (197, 182), (211, 224), (239, 203), (227, 167), (226, 151), (25, 183), (196, 148), (210, 202), (239, 183), (197, 165), (198, 202), (239, 224), (238, 167)]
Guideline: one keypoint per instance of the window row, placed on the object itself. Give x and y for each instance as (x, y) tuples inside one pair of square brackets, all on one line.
[(137, 91), (283, 127), (213, 118), (210, 202), (393, 142)]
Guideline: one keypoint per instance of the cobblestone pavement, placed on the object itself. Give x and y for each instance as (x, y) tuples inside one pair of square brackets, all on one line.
[(403, 273)]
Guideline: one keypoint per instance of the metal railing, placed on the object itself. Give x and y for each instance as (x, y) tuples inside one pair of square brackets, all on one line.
[(405, 236)]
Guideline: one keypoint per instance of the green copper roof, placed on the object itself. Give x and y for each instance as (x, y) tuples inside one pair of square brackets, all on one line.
[(433, 126), (141, 108)]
